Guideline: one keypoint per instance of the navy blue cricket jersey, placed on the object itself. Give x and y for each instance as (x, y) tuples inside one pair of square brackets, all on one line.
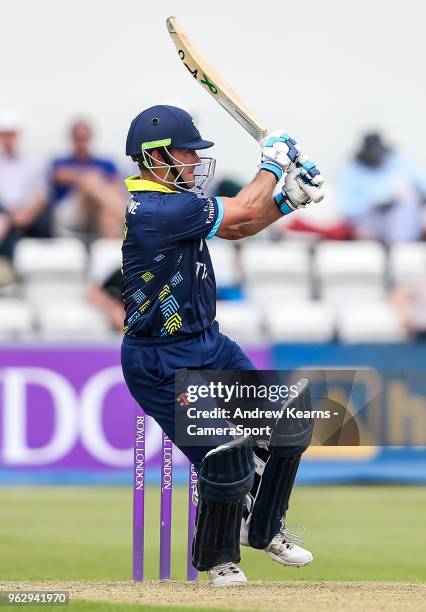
[(168, 280)]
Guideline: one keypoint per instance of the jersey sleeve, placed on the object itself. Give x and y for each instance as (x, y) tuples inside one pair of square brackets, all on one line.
[(187, 217)]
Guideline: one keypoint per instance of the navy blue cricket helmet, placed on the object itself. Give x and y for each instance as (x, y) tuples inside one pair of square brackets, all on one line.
[(163, 126)]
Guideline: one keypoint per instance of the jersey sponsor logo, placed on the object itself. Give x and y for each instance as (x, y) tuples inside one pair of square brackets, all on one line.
[(176, 279), (201, 267), (125, 230), (147, 276), (164, 292), (132, 205), (209, 207)]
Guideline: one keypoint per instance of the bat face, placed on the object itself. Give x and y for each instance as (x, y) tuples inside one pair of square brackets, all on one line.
[(212, 82), (202, 78)]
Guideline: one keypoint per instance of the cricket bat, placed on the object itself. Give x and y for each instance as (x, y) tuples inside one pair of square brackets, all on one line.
[(212, 82)]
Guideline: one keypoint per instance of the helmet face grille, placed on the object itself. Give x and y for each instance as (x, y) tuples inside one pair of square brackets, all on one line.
[(203, 170)]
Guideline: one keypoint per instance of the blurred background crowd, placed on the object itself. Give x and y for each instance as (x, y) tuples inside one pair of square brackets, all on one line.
[(353, 267)]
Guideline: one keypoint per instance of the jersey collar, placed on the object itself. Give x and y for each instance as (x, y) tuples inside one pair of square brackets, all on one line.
[(135, 183)]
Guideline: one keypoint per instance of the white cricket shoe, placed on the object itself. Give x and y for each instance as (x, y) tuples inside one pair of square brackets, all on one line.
[(283, 547), (288, 553), (226, 575)]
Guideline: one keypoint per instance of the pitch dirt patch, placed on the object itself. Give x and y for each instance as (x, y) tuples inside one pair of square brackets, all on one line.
[(260, 596)]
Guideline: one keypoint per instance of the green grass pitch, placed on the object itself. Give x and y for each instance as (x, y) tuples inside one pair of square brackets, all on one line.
[(68, 533)]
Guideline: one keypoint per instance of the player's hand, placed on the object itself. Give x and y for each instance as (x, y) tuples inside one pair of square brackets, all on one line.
[(301, 187), (303, 183), (279, 150), (309, 173)]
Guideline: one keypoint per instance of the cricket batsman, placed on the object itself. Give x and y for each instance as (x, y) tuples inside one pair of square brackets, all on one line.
[(170, 301)]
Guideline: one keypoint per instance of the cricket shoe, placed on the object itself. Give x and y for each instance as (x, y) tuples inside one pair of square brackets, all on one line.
[(226, 575), (284, 547)]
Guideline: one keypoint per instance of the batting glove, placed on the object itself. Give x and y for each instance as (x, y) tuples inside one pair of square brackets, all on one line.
[(279, 150), (301, 187), (309, 173)]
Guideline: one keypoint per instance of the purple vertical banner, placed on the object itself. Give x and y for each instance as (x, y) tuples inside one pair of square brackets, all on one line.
[(139, 495), (166, 507), (191, 572)]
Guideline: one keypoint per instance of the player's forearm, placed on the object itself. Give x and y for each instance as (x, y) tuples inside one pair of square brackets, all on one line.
[(258, 194), (247, 207), (266, 217), (259, 198)]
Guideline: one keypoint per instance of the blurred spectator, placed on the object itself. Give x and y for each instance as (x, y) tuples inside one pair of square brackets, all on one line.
[(227, 187), (381, 194), (108, 298), (86, 194), (23, 209)]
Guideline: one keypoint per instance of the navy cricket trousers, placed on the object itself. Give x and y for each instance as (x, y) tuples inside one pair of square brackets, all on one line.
[(149, 367)]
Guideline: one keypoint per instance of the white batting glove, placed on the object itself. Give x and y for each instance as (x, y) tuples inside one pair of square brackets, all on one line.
[(309, 172), (299, 189), (279, 150)]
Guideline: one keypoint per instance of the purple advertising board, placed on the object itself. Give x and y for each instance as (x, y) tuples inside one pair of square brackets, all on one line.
[(68, 409)]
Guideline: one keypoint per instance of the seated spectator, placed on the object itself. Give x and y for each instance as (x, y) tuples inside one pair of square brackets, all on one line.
[(228, 187), (108, 298), (23, 209), (86, 194), (381, 194)]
